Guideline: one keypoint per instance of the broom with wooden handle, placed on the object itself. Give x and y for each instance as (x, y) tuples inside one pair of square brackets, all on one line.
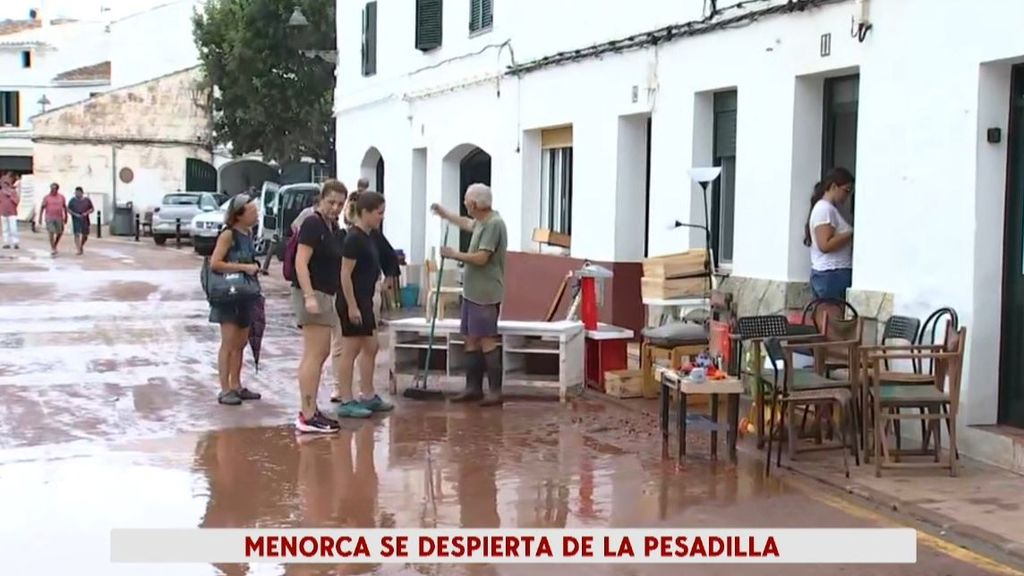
[(419, 389)]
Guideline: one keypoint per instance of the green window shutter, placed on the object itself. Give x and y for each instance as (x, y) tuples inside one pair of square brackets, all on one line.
[(428, 24), (481, 14), (370, 39), (725, 124)]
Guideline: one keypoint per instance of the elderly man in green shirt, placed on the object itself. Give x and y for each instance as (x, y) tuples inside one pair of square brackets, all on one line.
[(483, 289)]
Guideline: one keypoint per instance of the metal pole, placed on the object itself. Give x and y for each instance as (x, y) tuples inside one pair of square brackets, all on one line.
[(177, 232), (137, 227), (113, 176), (99, 223)]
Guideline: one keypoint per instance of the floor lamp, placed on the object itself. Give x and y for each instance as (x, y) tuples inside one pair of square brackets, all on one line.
[(703, 177)]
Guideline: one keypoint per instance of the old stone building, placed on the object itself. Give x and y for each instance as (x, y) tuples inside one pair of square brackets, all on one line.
[(133, 144)]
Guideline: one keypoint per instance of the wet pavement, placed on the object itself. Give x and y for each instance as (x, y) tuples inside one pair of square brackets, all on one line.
[(108, 419)]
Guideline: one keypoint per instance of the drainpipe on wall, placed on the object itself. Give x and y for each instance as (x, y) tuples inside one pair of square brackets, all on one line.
[(113, 180)]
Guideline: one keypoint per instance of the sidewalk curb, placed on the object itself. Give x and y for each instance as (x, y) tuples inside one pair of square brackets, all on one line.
[(942, 523), (947, 526)]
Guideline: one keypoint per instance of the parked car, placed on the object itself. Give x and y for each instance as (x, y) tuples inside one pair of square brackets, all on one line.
[(292, 199), (205, 226), (183, 207)]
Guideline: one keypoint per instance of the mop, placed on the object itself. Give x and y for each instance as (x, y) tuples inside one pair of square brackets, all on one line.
[(419, 390)]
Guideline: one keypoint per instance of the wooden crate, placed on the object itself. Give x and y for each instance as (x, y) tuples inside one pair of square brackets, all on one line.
[(685, 264), (665, 289), (624, 383), (544, 236)]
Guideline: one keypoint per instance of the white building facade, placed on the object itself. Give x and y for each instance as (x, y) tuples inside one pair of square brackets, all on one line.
[(153, 42), (584, 116), (43, 65)]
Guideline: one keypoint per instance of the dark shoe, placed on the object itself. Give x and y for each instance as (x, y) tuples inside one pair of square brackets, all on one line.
[(229, 398), (247, 394), (318, 424), (467, 396), (7, 246), (492, 400)]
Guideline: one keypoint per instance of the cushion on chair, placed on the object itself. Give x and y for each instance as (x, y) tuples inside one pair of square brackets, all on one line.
[(912, 395), (677, 334), (805, 380)]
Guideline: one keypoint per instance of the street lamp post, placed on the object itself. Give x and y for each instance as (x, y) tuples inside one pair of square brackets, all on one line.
[(299, 22)]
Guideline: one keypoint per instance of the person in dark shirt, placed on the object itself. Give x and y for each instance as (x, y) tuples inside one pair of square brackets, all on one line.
[(317, 280), (80, 209), (360, 273)]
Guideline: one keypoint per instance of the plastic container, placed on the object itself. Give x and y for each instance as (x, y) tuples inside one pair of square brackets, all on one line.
[(410, 295)]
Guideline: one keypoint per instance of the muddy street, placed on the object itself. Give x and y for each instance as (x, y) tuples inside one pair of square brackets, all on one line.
[(109, 419)]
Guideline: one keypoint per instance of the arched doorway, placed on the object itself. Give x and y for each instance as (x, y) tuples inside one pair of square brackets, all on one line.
[(475, 168), (378, 182), (372, 168), (463, 165), (239, 175)]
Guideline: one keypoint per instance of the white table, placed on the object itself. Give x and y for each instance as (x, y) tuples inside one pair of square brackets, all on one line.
[(535, 354)]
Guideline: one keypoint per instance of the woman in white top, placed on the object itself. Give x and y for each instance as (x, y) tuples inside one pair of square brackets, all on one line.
[(830, 236)]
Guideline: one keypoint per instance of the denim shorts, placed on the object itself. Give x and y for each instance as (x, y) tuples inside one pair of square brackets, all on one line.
[(831, 283)]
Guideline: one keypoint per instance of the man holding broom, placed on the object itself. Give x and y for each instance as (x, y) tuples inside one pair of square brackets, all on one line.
[(482, 292)]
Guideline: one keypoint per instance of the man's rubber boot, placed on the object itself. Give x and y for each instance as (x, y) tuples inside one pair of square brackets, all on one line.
[(492, 362), (474, 379)]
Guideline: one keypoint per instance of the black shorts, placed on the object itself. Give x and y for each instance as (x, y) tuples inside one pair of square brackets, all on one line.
[(80, 226), (350, 330), (238, 314)]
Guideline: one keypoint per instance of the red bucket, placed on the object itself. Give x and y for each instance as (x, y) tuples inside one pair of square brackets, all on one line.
[(588, 303)]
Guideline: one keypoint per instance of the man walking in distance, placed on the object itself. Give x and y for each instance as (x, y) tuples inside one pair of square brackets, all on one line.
[(80, 208), (482, 291), (9, 199), (55, 211)]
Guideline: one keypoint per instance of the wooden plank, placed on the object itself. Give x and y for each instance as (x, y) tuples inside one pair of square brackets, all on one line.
[(664, 289), (684, 264)]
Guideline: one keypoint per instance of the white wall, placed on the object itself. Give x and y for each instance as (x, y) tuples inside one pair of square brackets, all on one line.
[(152, 43), (929, 188), (63, 47)]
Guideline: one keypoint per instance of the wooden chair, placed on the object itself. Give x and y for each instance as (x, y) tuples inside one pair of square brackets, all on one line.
[(450, 295), (934, 403), (899, 331), (816, 313), (786, 399), (838, 348), (902, 329)]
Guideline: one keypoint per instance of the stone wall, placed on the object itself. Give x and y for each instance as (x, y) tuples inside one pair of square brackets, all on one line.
[(164, 109), (757, 297), (150, 128)]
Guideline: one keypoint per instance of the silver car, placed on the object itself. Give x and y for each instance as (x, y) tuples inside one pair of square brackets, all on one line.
[(178, 209)]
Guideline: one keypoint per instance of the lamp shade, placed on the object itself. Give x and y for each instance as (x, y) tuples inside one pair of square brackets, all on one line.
[(298, 19), (704, 175)]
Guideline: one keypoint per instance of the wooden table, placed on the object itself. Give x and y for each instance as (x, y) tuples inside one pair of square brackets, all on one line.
[(730, 387)]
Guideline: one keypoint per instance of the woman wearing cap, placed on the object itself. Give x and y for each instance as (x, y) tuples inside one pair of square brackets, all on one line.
[(234, 252)]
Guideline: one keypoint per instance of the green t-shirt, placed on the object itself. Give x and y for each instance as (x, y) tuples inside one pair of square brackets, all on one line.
[(486, 284)]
